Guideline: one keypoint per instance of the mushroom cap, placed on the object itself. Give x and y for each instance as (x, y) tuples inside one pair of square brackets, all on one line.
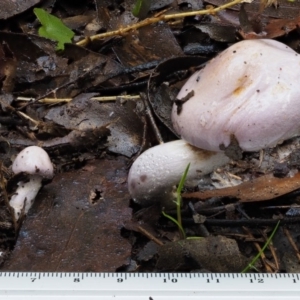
[(249, 92), (33, 160), (156, 171)]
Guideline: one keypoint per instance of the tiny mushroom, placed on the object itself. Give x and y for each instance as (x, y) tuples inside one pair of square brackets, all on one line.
[(35, 162), (248, 97), (155, 172), (245, 99)]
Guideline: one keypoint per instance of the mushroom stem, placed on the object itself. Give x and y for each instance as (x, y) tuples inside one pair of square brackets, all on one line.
[(158, 170), (25, 194), (34, 162)]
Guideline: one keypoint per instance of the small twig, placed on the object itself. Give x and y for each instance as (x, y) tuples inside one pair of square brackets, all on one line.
[(259, 249), (251, 264), (149, 21), (280, 206), (144, 141), (293, 244), (243, 236), (25, 99), (26, 117), (272, 265), (54, 100), (266, 261), (217, 209), (149, 114), (271, 247), (261, 157), (248, 223), (65, 100), (150, 236)]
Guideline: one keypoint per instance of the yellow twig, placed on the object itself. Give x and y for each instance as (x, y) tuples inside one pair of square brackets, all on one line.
[(65, 100), (100, 99), (153, 20)]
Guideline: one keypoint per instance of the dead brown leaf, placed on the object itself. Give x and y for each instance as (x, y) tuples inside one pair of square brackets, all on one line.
[(263, 188), (154, 42), (66, 231), (275, 28), (82, 113), (41, 71), (10, 8)]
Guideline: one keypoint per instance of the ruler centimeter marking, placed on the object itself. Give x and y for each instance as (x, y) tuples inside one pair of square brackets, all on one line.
[(147, 286)]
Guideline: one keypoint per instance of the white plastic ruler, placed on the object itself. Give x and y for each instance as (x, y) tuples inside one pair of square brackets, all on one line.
[(148, 286)]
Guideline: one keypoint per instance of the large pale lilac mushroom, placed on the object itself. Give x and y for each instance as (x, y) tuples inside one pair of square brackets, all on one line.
[(35, 162), (156, 172), (246, 97)]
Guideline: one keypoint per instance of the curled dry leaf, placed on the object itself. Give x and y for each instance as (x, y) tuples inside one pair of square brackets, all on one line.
[(266, 187)]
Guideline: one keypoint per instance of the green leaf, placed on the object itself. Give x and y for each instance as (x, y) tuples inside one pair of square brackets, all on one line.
[(53, 28)]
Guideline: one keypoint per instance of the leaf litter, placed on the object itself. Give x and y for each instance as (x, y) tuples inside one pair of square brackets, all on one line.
[(85, 213)]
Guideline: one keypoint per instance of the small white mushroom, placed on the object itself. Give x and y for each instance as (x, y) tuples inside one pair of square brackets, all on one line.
[(155, 172), (249, 94), (35, 162)]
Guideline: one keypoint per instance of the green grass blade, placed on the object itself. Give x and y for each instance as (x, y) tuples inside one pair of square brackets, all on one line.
[(178, 192), (178, 222), (141, 8), (251, 264), (175, 221), (182, 180)]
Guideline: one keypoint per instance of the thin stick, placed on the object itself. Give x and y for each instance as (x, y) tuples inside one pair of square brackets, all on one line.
[(153, 20), (149, 114), (259, 249), (271, 248), (65, 100), (150, 236), (293, 244), (26, 117), (251, 264)]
